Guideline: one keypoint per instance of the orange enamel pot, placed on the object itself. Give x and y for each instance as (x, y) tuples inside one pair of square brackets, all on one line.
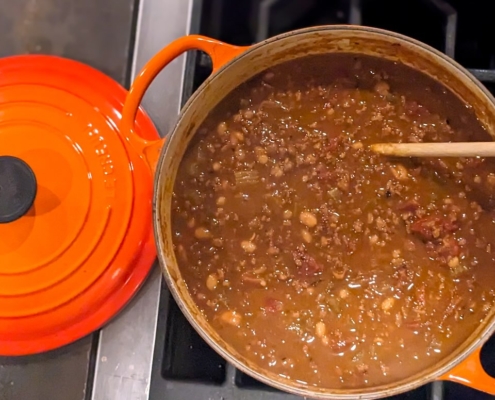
[(233, 65)]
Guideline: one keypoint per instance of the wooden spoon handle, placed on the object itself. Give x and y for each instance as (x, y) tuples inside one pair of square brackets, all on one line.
[(458, 149)]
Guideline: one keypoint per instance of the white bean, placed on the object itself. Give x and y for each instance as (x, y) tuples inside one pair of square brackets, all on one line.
[(211, 282), (248, 246), (388, 303), (307, 237), (202, 233), (308, 218), (231, 318), (320, 329)]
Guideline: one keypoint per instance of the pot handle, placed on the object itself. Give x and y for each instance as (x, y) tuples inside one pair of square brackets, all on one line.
[(220, 54), (471, 373)]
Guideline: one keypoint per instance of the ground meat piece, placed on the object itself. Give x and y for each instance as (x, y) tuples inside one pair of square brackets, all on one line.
[(421, 298), (382, 88), (413, 108), (432, 227), (324, 174), (273, 305), (332, 144), (253, 280), (409, 206), (448, 247), (306, 264)]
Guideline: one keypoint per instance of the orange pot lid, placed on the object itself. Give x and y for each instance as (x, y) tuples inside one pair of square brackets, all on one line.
[(76, 238)]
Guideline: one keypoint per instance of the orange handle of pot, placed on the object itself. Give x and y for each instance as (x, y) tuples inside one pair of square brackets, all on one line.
[(219, 52), (471, 373)]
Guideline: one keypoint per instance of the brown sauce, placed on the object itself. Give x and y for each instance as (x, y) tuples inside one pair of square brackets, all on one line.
[(319, 260)]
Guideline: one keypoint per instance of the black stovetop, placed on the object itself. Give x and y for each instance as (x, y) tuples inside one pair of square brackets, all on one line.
[(188, 367)]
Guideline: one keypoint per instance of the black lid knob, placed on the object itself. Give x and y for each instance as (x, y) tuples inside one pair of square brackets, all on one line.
[(17, 188)]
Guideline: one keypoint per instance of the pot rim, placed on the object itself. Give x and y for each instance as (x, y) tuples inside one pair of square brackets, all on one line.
[(480, 335)]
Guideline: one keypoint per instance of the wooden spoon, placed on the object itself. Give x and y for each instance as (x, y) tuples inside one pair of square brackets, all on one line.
[(456, 149)]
